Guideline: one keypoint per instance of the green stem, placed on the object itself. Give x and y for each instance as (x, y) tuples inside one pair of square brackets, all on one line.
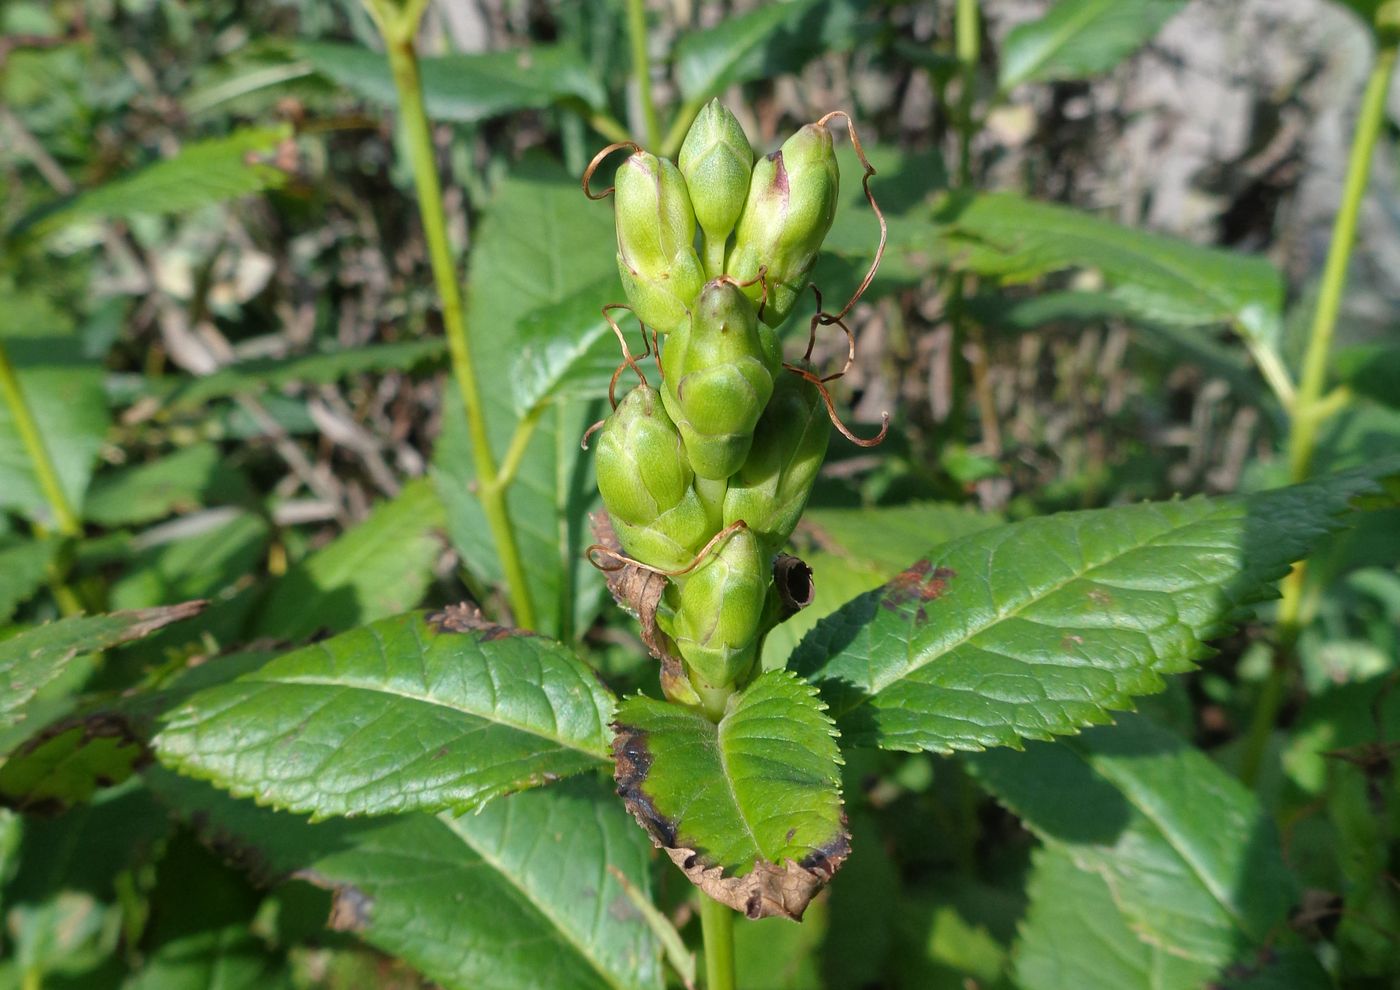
[(641, 69), (680, 124), (717, 926), (1310, 406), (1303, 442), (968, 30), (65, 519), (403, 61)]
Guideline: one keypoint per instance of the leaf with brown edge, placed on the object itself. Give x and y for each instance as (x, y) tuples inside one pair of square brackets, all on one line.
[(38, 656), (749, 808)]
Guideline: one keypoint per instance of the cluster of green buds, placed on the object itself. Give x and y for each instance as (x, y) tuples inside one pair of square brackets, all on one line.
[(705, 478)]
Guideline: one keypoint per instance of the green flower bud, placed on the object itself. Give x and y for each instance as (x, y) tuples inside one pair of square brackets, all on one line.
[(717, 612), (646, 484), (719, 376), (790, 206), (656, 257), (716, 161), (770, 490)]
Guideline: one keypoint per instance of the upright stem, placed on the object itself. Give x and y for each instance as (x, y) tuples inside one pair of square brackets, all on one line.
[(1310, 406), (403, 61), (641, 69), (717, 927), (1303, 440), (968, 30), (65, 519)]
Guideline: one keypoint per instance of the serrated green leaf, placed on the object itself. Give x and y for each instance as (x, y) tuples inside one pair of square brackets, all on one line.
[(63, 390), (23, 567), (36, 657), (1192, 862), (761, 788), (376, 569), (182, 481), (403, 714), (857, 550), (1081, 38), (199, 174), (467, 88), (515, 897), (323, 368), (1075, 938), (1041, 627), (536, 246), (1159, 279)]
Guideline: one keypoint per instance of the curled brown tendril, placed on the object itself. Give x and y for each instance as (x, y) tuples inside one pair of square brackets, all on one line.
[(598, 160), (820, 384), (628, 361), (879, 215), (812, 336), (583, 444), (616, 560), (761, 279)]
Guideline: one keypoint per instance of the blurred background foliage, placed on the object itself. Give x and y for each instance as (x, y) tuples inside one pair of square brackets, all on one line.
[(215, 295)]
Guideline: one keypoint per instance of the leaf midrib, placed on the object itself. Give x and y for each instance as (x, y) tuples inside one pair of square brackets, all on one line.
[(598, 755), (1057, 41), (542, 905)]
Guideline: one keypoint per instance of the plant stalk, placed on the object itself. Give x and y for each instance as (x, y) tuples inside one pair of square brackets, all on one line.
[(641, 69), (717, 927), (1303, 440), (1310, 406), (967, 27), (65, 519), (403, 61)]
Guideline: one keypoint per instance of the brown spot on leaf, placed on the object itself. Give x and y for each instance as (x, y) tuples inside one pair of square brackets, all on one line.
[(465, 617), (351, 907), (1070, 642), (631, 764), (921, 584), (1100, 597)]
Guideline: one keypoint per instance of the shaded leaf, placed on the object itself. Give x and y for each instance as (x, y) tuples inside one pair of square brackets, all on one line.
[(205, 565), (1159, 279), (23, 567), (1075, 938), (1041, 627), (35, 657), (852, 551), (1081, 38), (200, 933), (1191, 860), (402, 714), (63, 390), (467, 88), (749, 808), (69, 762), (567, 348), (182, 481), (537, 245), (198, 174), (378, 568), (1372, 371), (514, 897)]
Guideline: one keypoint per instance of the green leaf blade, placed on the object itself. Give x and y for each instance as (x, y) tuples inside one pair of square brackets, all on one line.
[(744, 804), (1081, 38), (1192, 862), (1042, 627), (403, 714), (463, 900)]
